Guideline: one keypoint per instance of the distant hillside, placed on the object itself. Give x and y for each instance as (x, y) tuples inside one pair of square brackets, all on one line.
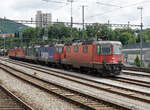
[(8, 26)]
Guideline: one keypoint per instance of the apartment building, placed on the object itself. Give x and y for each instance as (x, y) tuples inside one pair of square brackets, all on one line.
[(43, 19)]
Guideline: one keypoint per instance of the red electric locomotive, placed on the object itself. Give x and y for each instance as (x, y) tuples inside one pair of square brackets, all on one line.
[(20, 52), (104, 57), (101, 56), (11, 52)]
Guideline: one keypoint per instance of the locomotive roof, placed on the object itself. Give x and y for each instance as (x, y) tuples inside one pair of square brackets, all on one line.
[(37, 46), (98, 42), (59, 44), (107, 42)]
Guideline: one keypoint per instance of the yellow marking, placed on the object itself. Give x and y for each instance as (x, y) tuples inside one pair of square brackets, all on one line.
[(69, 94), (54, 88)]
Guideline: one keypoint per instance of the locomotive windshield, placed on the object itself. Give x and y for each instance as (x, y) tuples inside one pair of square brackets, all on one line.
[(59, 49), (106, 49), (117, 49)]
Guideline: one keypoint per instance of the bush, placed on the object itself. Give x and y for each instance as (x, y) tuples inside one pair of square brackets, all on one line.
[(149, 64), (137, 61)]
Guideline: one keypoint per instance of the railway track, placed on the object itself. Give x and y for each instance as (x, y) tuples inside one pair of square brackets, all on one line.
[(134, 73), (132, 94), (76, 97), (40, 68), (132, 81), (8, 101), (147, 70)]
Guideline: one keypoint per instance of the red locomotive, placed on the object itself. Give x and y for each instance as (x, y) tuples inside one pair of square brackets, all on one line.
[(104, 57), (101, 56)]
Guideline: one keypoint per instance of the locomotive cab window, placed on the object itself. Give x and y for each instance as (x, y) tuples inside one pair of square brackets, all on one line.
[(85, 49), (75, 48), (98, 49), (117, 49), (59, 49), (51, 49), (36, 52), (106, 49), (68, 49)]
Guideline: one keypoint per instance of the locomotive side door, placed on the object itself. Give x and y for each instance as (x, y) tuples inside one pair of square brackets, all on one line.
[(97, 53)]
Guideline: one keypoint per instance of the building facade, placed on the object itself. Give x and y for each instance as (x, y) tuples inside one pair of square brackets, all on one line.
[(43, 19), (131, 51)]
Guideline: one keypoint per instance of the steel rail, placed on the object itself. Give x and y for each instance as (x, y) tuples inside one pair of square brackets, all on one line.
[(118, 78), (76, 97), (139, 69), (103, 88), (10, 101), (135, 74)]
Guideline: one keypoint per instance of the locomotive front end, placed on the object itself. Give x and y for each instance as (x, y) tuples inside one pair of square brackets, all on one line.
[(113, 63)]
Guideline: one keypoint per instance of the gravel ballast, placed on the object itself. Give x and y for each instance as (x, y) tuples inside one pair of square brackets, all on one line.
[(99, 93), (33, 96)]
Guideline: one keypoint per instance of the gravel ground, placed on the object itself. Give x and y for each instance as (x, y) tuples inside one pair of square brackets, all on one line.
[(35, 97), (146, 79), (104, 80), (137, 72), (98, 93)]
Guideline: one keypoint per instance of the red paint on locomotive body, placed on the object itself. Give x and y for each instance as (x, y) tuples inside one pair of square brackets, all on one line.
[(20, 52), (99, 56), (58, 51), (91, 54), (11, 52)]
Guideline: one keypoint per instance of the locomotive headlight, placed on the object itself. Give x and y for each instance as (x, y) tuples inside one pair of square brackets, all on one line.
[(113, 58)]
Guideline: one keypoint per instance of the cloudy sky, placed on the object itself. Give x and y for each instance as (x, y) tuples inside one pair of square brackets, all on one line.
[(116, 11)]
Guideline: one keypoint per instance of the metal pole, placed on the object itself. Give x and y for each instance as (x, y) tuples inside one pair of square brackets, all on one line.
[(21, 39), (108, 29), (71, 18), (128, 24), (71, 1), (83, 20), (141, 41), (45, 23), (4, 44), (46, 28), (20, 35)]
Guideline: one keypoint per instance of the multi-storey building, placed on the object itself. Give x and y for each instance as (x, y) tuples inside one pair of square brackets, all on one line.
[(43, 19)]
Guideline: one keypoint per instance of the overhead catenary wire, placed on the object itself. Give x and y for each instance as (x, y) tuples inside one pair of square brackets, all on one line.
[(106, 4), (116, 9), (54, 1)]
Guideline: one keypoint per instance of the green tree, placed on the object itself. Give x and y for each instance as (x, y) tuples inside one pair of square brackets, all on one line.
[(149, 65), (137, 61), (124, 37), (145, 35), (99, 31)]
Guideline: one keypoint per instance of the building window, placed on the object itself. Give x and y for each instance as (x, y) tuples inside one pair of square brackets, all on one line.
[(75, 48), (85, 49)]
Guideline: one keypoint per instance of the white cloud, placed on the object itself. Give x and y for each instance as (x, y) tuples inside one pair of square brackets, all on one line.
[(26, 9)]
